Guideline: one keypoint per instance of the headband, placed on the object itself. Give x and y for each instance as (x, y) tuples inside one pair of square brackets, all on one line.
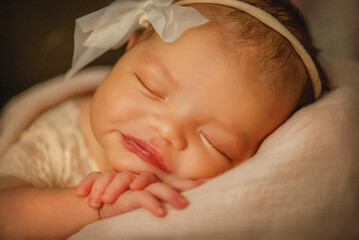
[(111, 27)]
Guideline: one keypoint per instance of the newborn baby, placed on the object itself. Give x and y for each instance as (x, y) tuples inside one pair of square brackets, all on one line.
[(172, 115)]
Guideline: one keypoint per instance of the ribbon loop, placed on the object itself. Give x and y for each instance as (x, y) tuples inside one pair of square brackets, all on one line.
[(112, 26)]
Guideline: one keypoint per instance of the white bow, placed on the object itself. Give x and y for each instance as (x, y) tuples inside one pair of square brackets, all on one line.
[(112, 26)]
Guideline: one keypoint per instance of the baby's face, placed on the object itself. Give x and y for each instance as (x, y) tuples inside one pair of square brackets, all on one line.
[(185, 109)]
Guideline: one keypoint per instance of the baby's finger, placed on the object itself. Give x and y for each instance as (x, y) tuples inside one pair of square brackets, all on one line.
[(166, 193), (143, 180), (148, 201), (118, 185), (84, 187), (186, 184), (99, 187), (131, 200)]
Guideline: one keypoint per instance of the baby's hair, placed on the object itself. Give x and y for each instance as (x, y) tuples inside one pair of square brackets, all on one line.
[(267, 51)]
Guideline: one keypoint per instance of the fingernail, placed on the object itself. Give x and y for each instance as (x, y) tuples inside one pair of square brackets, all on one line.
[(80, 191), (183, 201), (94, 202), (161, 211)]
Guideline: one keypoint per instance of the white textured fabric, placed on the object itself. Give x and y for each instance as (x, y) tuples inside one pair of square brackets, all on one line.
[(21, 110), (112, 26), (303, 184), (51, 152)]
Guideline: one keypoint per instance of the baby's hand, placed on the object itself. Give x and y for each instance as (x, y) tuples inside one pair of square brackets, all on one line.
[(149, 198), (152, 198), (106, 187)]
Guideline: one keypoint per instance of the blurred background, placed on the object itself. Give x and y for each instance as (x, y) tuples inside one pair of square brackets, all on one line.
[(36, 37)]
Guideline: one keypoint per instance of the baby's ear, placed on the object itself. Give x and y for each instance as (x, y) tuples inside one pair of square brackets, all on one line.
[(131, 42)]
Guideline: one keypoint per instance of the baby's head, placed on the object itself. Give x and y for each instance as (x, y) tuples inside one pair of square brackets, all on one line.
[(200, 105)]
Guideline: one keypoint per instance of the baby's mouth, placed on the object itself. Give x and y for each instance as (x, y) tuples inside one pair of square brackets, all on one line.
[(146, 152)]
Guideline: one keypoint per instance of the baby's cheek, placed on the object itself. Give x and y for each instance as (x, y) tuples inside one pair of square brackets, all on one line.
[(122, 161), (203, 167)]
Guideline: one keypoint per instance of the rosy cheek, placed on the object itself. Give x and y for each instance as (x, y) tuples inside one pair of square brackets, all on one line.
[(122, 161), (201, 164)]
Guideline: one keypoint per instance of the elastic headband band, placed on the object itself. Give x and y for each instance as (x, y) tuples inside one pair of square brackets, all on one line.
[(277, 26), (112, 26)]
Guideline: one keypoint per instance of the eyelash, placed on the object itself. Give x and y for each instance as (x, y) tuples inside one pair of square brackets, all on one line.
[(148, 89), (204, 138)]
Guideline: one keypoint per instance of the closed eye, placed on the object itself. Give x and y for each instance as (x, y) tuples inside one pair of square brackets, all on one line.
[(148, 90), (208, 143)]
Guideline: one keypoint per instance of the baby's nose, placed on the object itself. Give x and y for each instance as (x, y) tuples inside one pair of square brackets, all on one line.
[(170, 131)]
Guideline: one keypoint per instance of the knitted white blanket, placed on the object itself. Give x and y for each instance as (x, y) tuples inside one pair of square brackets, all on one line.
[(18, 114)]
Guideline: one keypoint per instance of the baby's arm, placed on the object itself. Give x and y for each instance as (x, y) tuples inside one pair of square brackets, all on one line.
[(34, 213)]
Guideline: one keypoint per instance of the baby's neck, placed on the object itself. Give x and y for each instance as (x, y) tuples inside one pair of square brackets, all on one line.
[(94, 148)]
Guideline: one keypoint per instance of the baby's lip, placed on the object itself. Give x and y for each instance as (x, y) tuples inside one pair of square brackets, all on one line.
[(145, 151)]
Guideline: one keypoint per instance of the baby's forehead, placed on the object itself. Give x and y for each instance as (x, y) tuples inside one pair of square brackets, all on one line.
[(192, 58), (198, 54), (213, 90), (240, 50)]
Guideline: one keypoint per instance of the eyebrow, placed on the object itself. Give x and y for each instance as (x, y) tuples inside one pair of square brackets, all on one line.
[(158, 66)]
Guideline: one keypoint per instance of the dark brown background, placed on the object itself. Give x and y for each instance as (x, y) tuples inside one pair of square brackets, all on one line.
[(36, 37), (36, 41)]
